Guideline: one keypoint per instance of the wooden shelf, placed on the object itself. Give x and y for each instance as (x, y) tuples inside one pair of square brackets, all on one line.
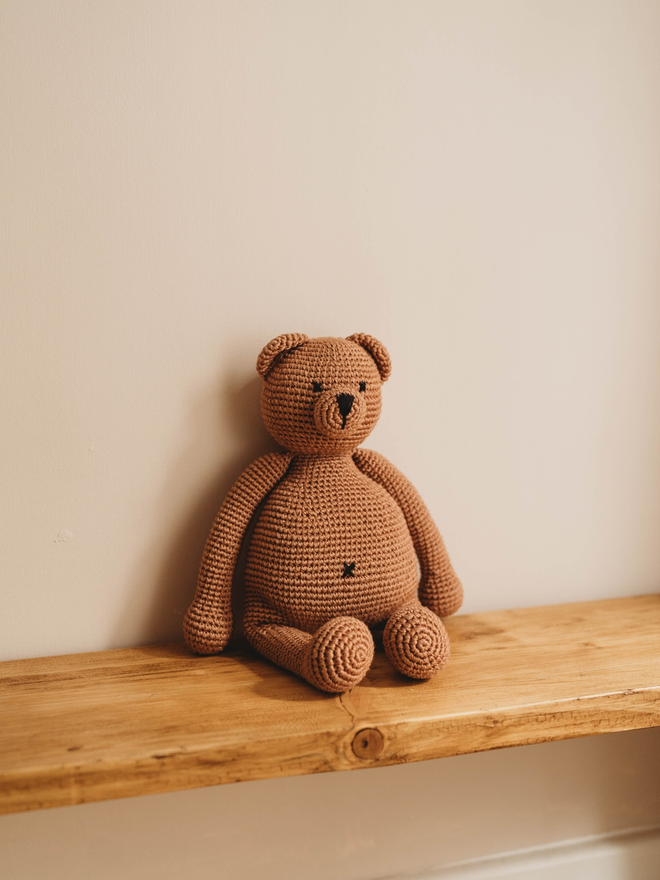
[(90, 727)]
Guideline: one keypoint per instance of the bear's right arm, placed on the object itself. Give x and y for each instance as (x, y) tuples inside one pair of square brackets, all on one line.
[(208, 622)]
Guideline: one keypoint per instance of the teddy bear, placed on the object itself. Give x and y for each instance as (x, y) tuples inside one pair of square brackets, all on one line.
[(343, 545)]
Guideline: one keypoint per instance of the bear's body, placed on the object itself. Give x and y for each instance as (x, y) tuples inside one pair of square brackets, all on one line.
[(347, 550), (343, 541)]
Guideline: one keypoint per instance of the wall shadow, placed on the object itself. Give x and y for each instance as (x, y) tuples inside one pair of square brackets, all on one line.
[(165, 578)]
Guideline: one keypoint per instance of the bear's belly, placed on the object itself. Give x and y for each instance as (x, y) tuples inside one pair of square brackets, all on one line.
[(328, 546)]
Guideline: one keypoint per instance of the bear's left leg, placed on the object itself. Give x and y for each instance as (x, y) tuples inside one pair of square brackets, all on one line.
[(416, 642)]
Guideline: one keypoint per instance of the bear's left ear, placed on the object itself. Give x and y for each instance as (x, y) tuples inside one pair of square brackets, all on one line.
[(377, 351), (275, 348)]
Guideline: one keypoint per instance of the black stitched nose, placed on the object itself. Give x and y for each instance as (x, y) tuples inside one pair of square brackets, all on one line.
[(345, 402)]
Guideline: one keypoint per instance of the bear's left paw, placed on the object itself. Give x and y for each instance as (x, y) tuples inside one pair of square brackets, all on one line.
[(416, 642)]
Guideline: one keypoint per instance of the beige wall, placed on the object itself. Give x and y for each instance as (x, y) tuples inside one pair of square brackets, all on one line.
[(475, 183)]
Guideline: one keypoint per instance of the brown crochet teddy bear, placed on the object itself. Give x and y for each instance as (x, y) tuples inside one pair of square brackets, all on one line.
[(336, 547)]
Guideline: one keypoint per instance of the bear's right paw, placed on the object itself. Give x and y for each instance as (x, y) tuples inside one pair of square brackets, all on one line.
[(339, 655), (205, 633)]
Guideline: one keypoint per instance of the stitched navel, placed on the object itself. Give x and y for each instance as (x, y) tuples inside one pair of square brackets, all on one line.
[(349, 570)]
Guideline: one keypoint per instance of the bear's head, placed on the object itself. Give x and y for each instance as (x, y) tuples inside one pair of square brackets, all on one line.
[(322, 396)]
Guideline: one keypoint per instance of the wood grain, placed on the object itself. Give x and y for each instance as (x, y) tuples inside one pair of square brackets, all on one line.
[(90, 727)]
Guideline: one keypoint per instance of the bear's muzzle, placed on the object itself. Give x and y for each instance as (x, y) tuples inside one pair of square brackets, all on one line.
[(337, 411)]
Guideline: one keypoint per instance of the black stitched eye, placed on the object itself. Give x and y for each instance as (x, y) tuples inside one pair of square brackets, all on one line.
[(316, 386), (363, 386)]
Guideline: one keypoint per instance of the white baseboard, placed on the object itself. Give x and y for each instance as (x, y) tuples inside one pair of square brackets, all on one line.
[(623, 856)]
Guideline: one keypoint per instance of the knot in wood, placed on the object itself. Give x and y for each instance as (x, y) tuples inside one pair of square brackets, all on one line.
[(368, 743)]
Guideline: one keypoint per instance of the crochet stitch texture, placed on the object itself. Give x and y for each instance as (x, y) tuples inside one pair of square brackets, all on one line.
[(338, 541)]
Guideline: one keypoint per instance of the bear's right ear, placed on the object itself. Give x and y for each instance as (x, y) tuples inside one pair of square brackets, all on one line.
[(275, 348)]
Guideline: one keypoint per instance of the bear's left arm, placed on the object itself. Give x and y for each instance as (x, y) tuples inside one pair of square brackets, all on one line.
[(439, 588)]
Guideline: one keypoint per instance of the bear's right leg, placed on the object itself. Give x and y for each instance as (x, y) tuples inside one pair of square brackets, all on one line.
[(334, 659)]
